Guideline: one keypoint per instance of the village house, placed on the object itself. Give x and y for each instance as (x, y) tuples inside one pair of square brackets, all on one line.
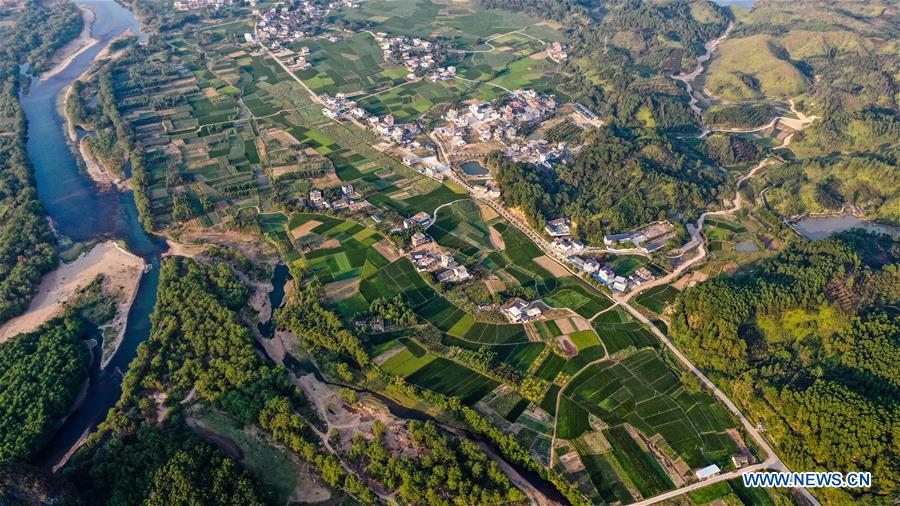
[(559, 227), (520, 311)]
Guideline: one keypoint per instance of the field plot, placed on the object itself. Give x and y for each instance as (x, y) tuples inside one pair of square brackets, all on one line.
[(657, 298), (638, 464), (459, 226), (409, 101), (463, 22), (340, 249), (618, 331), (354, 64), (579, 298), (450, 378), (641, 390), (401, 278)]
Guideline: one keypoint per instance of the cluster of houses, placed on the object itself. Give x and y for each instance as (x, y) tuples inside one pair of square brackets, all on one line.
[(430, 166), (340, 107), (348, 199), (519, 310), (419, 56), (606, 275), (648, 239), (441, 264), (540, 152), (560, 230), (557, 52), (403, 134), (189, 5), (487, 189), (484, 122), (297, 20)]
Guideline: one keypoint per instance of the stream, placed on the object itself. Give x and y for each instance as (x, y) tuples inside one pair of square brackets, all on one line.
[(80, 212)]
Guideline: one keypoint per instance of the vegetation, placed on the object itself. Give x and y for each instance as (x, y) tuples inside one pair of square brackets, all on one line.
[(618, 182), (454, 469), (26, 240), (170, 466), (42, 374), (827, 184), (805, 342)]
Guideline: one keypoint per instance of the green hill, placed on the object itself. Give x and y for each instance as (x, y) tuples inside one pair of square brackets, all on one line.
[(752, 68)]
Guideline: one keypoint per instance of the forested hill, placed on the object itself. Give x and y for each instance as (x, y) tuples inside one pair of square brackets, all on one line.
[(32, 35), (621, 179), (808, 342)]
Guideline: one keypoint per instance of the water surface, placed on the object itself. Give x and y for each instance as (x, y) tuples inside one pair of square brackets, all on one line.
[(81, 213)]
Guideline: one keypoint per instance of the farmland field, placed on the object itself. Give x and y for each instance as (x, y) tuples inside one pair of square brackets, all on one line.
[(657, 298), (641, 390)]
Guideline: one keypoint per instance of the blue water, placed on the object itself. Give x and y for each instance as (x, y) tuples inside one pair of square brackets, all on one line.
[(70, 197), (80, 213)]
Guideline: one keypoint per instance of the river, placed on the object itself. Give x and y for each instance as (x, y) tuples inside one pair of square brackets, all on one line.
[(81, 213)]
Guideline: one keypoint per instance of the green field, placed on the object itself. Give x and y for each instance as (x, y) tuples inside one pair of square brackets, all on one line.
[(657, 298), (579, 298), (619, 335), (460, 226), (642, 391)]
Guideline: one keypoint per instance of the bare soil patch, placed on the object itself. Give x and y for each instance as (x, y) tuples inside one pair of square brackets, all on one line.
[(122, 272), (496, 239), (305, 229), (565, 325), (386, 248), (340, 290), (552, 266)]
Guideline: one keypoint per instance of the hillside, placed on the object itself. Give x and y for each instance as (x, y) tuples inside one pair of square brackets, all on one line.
[(807, 342), (754, 67)]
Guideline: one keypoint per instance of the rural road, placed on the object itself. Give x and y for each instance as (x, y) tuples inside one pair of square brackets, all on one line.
[(772, 462)]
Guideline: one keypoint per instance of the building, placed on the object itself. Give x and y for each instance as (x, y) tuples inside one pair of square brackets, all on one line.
[(644, 273), (740, 460), (708, 472), (559, 227), (620, 284), (520, 311), (606, 275), (419, 239)]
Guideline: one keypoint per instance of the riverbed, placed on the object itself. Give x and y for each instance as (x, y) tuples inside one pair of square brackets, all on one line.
[(79, 212)]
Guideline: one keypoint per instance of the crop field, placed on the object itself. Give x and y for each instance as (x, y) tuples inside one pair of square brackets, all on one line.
[(463, 221), (657, 298), (639, 465), (401, 277), (408, 102), (617, 336), (406, 362), (642, 391), (550, 367), (343, 248), (523, 355), (464, 22), (354, 64), (579, 298), (571, 420), (450, 378), (605, 479), (584, 339)]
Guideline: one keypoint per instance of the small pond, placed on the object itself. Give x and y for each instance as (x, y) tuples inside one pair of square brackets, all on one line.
[(474, 169)]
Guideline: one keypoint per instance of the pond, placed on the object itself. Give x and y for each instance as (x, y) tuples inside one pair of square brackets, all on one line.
[(816, 228), (474, 168)]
